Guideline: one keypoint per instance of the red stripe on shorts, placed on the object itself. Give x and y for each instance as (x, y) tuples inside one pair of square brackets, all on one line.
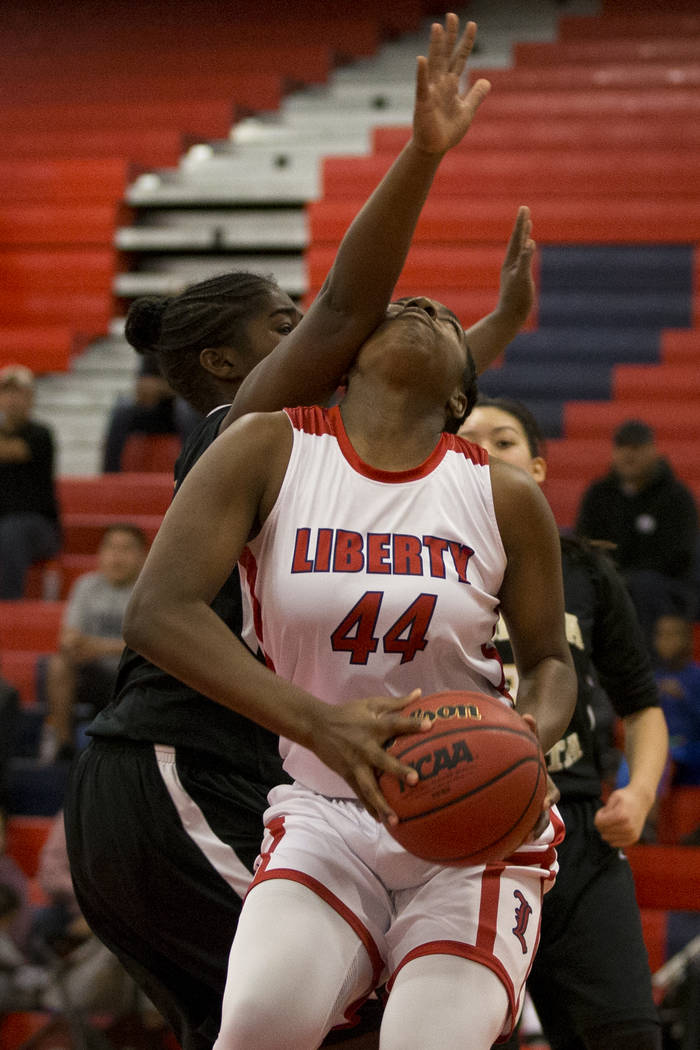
[(488, 908)]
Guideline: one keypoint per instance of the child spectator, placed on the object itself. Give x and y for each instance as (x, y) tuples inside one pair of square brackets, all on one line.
[(90, 645), (678, 678)]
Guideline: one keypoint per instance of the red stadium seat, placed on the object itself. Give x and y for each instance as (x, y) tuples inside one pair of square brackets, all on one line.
[(53, 180), (43, 349), (25, 839), (666, 876), (18, 666), (630, 26), (664, 48), (83, 531), (580, 133), (589, 457), (29, 624), (621, 173), (41, 225), (654, 932), (598, 76), (568, 220), (680, 346), (66, 269), (122, 493), (150, 147), (667, 382), (252, 91), (587, 418), (86, 312), (208, 118), (446, 266), (150, 453), (679, 813)]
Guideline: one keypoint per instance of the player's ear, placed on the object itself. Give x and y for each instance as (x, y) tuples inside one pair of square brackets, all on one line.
[(456, 404), (221, 361), (538, 469)]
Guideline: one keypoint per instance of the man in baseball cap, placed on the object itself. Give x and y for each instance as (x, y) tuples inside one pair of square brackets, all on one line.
[(29, 519), (650, 516)]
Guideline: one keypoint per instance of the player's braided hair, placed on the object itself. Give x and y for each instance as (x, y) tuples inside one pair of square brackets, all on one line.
[(177, 328)]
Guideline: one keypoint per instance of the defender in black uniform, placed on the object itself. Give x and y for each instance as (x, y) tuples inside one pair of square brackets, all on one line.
[(590, 980), (163, 812)]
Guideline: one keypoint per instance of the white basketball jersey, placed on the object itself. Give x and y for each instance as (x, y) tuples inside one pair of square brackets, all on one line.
[(364, 582)]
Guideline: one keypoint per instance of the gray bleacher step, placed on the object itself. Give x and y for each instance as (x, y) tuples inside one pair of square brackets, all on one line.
[(228, 181), (164, 276), (82, 389), (209, 229), (267, 131)]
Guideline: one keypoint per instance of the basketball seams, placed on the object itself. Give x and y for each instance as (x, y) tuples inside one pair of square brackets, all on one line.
[(455, 800), (460, 729), (478, 797)]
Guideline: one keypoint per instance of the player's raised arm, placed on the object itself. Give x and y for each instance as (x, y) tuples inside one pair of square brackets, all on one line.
[(489, 337), (310, 362)]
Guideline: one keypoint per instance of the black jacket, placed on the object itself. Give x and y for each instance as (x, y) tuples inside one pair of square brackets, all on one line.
[(656, 529)]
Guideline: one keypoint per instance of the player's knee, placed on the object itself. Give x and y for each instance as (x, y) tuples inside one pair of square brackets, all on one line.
[(264, 1025)]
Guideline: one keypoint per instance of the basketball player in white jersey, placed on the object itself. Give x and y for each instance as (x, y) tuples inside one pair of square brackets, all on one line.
[(377, 551)]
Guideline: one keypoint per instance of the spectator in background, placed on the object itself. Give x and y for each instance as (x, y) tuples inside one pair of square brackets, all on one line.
[(678, 679), (9, 722), (651, 518), (90, 644), (84, 973), (154, 409), (29, 519), (18, 917)]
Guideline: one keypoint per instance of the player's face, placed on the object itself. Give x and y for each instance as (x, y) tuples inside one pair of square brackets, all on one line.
[(635, 463), (672, 639), (420, 340), (503, 437), (278, 318), (120, 557)]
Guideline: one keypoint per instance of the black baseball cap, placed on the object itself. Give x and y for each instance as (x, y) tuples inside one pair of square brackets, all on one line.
[(633, 432)]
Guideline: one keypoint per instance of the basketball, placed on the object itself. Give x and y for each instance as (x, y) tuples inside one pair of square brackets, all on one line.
[(482, 780)]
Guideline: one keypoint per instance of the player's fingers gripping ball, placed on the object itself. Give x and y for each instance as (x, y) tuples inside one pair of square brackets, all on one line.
[(482, 780)]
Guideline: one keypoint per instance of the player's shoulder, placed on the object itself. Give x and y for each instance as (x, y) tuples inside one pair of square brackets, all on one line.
[(256, 438)]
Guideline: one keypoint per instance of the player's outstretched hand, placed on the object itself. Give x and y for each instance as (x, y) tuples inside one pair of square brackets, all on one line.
[(517, 288), (350, 740), (443, 112)]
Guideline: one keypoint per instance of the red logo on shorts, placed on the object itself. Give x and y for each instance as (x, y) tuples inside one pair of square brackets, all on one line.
[(522, 917)]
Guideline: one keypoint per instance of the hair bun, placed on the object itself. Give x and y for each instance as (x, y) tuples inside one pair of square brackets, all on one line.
[(144, 322)]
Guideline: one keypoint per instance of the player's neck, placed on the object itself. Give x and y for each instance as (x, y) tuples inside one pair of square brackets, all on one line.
[(387, 435)]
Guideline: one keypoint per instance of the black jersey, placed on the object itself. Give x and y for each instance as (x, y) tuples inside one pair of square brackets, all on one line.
[(149, 704), (608, 650)]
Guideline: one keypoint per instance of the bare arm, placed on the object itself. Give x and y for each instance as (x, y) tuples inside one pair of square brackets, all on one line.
[(169, 620), (309, 363), (621, 819), (532, 602), (490, 336)]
